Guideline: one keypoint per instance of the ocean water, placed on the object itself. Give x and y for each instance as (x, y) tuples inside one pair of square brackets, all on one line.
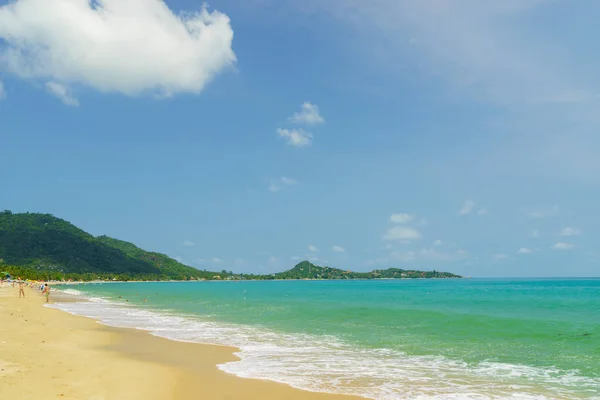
[(389, 339)]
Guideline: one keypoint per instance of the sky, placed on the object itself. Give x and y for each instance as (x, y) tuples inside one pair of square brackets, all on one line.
[(460, 136)]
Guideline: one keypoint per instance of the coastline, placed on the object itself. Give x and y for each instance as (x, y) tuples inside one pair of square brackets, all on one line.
[(50, 353)]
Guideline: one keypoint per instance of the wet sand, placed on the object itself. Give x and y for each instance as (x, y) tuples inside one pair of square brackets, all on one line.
[(47, 353)]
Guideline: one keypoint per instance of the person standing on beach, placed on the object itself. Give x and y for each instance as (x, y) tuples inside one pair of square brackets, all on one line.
[(47, 292), (21, 289)]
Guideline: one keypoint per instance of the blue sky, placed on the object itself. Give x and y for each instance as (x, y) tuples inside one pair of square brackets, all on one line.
[(452, 135)]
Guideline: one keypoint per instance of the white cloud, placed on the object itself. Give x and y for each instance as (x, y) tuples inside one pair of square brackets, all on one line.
[(312, 248), (308, 115), (126, 46), (499, 257), (402, 234), (467, 208), (61, 92), (563, 246), (2, 91), (541, 212), (482, 211), (401, 218), (216, 260), (338, 249), (438, 243), (277, 185), (296, 137), (570, 232), (188, 243), (525, 250)]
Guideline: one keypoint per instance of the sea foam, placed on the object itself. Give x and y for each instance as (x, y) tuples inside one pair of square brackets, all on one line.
[(327, 364)]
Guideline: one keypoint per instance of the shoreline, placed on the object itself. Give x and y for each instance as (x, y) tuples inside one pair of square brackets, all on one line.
[(52, 353)]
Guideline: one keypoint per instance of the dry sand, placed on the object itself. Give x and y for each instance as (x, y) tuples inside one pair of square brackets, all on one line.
[(49, 354)]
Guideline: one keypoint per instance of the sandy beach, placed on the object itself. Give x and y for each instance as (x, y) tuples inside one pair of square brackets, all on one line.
[(47, 353)]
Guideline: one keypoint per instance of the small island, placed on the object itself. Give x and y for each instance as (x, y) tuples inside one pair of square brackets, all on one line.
[(43, 247)]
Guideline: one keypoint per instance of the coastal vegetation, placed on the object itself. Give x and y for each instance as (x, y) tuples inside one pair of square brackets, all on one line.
[(44, 247)]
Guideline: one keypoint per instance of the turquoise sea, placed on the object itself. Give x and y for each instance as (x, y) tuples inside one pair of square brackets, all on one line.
[(389, 339)]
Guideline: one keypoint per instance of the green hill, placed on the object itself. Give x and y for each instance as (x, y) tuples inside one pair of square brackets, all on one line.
[(42, 246), (307, 270)]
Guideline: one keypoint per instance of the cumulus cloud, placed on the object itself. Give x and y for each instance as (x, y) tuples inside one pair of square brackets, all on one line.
[(401, 218), (402, 234), (570, 232), (308, 115), (563, 246), (62, 93), (126, 46), (296, 137), (525, 250), (467, 207), (338, 249), (188, 243), (312, 248), (278, 184)]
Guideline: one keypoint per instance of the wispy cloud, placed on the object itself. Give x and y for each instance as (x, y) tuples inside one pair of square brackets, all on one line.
[(570, 232), (525, 250), (203, 261), (338, 249), (312, 248), (491, 52), (563, 246), (188, 243), (308, 115), (465, 43), (467, 207), (296, 137), (402, 218), (180, 259), (438, 243), (422, 255), (61, 92), (499, 257), (402, 234), (541, 212), (2, 91), (283, 182)]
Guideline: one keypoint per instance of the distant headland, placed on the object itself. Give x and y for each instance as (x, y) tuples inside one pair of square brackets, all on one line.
[(44, 247)]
